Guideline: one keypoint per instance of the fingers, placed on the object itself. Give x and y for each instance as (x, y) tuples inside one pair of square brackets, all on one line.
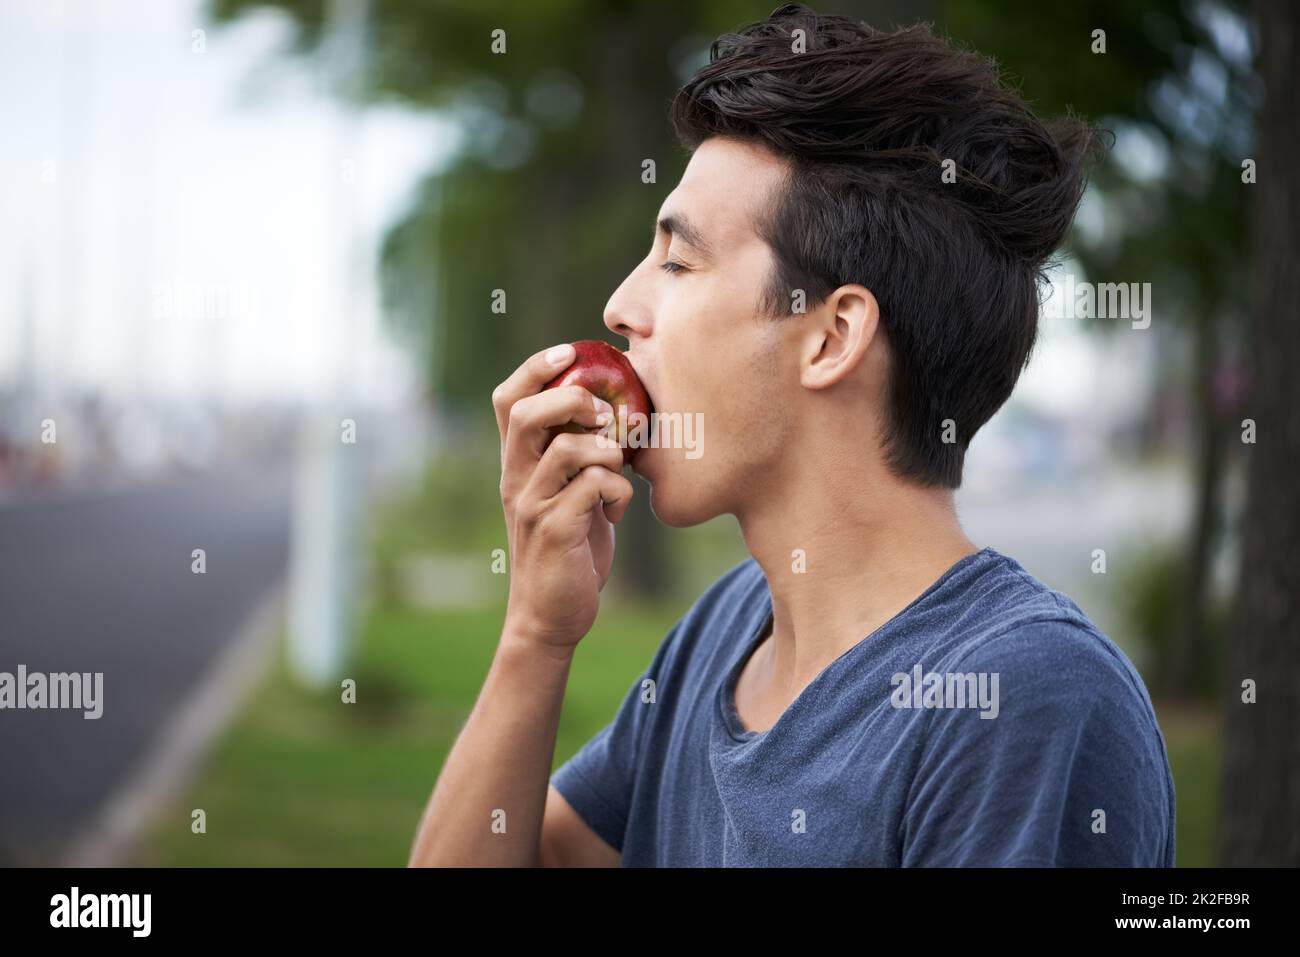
[(530, 420), (567, 455), (594, 485), (600, 539), (537, 370)]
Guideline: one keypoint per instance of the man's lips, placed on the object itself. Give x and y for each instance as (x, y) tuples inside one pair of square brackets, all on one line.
[(650, 393), (645, 382)]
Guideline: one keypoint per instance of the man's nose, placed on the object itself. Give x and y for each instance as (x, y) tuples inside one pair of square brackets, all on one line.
[(626, 313)]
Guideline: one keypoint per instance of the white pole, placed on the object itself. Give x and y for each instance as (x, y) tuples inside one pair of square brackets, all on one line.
[(327, 501)]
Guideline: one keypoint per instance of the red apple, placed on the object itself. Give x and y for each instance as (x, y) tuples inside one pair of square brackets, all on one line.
[(605, 372)]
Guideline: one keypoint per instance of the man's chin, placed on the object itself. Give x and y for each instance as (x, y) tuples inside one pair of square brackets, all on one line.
[(675, 490), (673, 511)]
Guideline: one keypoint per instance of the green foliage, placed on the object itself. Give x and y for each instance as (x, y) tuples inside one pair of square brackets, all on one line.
[(1165, 78), (1150, 598)]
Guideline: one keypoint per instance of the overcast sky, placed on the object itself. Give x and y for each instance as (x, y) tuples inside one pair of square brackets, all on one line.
[(176, 218)]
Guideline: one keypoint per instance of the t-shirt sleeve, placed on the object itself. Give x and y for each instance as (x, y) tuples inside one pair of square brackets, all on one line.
[(598, 780), (1071, 772)]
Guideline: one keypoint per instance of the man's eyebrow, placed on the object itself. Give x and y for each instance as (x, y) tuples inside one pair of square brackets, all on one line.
[(677, 225)]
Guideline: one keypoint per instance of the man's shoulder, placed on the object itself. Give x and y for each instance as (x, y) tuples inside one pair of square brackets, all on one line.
[(1040, 641), (1069, 730), (1064, 687)]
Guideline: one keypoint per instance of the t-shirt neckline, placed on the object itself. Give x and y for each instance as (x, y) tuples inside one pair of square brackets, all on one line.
[(757, 631)]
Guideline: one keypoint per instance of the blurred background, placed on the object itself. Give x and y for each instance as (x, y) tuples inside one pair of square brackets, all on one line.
[(249, 258)]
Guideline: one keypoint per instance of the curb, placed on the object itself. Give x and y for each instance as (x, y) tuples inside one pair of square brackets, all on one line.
[(170, 763)]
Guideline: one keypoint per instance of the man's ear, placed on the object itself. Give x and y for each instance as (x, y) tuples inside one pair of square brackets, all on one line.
[(838, 336)]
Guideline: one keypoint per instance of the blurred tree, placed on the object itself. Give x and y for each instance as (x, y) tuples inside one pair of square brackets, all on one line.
[(1260, 819), (1175, 84)]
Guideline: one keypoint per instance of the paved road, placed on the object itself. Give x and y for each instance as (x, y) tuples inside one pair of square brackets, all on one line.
[(103, 583)]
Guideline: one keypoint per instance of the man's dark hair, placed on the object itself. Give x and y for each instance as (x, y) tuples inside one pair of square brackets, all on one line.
[(866, 119)]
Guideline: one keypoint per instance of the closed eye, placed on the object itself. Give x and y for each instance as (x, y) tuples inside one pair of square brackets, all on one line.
[(672, 267)]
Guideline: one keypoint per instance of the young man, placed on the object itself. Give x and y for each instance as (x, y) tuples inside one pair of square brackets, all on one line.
[(847, 308)]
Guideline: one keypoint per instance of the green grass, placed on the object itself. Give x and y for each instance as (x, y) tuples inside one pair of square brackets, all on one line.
[(304, 779), (1192, 736)]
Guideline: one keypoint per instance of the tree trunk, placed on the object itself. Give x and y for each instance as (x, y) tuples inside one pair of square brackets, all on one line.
[(1191, 637), (1260, 807)]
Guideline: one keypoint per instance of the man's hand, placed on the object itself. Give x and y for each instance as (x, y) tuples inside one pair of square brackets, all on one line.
[(561, 497)]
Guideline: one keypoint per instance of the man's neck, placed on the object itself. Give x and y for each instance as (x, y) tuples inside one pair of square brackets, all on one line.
[(841, 559)]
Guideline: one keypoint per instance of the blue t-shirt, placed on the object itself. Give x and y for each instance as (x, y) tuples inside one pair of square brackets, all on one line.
[(989, 723)]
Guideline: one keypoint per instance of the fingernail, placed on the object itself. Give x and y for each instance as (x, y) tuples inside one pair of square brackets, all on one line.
[(604, 418), (602, 406), (559, 354)]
